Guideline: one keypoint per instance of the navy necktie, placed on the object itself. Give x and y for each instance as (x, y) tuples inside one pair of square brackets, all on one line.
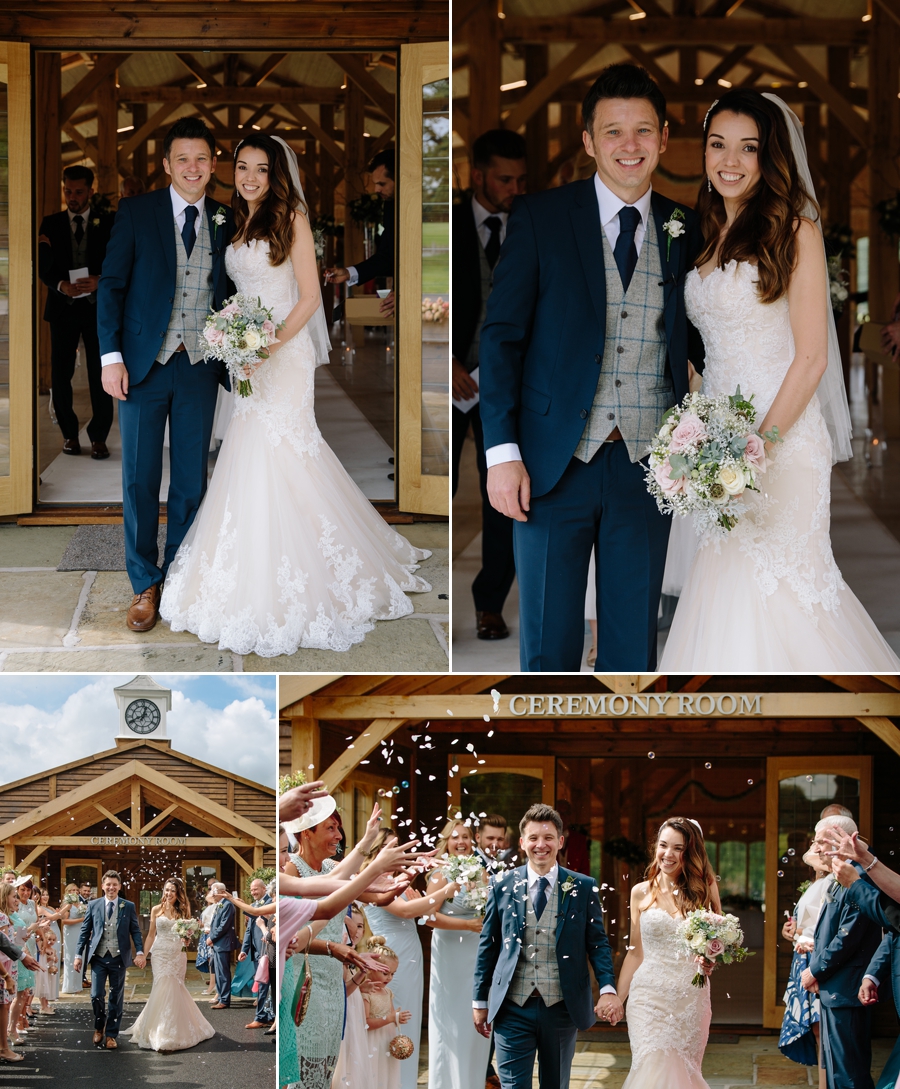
[(492, 249), (626, 251), (188, 235), (109, 907), (541, 900), (79, 228)]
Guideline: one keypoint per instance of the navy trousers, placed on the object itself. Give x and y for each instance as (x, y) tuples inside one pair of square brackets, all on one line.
[(78, 320), (261, 995), (221, 960), (185, 396), (103, 969), (522, 1031), (847, 1047), (604, 505)]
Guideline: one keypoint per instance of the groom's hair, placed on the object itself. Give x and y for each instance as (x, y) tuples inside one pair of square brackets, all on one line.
[(189, 128), (623, 81), (112, 873), (541, 814)]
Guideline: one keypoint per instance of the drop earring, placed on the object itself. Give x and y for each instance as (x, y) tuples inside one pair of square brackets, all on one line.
[(708, 183)]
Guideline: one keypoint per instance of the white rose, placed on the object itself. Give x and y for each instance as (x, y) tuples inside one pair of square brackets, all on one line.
[(732, 480), (252, 339), (675, 227)]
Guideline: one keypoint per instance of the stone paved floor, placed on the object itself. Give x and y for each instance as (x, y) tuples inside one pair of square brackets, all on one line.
[(743, 1060), (73, 621)]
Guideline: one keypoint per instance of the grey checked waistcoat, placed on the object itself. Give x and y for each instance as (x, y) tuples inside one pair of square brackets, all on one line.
[(79, 252), (633, 391), (193, 294), (109, 943), (487, 283), (537, 967)]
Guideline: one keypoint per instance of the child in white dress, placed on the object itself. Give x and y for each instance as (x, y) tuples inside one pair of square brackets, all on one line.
[(352, 1070), (382, 1019)]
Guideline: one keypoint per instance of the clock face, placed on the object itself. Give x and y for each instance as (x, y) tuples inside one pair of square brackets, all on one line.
[(142, 716)]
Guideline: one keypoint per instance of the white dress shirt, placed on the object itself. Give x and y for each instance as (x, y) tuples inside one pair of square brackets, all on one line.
[(178, 206), (481, 216), (85, 217), (609, 206)]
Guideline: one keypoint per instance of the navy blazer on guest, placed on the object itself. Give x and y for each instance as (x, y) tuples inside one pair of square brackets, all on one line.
[(55, 255), (221, 929), (127, 929), (137, 288), (846, 941), (252, 944), (580, 938), (545, 331), (381, 263), (878, 906)]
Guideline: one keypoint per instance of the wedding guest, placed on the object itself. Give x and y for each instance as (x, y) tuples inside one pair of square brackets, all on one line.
[(130, 187), (25, 920), (490, 840), (86, 892), (252, 949), (499, 175), (8, 973), (222, 939), (381, 263), (383, 1017), (46, 984), (352, 1070), (73, 912), (203, 963)]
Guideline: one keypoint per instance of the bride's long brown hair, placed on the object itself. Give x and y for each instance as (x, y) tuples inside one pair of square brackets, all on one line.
[(696, 877), (182, 905), (764, 230), (273, 220)]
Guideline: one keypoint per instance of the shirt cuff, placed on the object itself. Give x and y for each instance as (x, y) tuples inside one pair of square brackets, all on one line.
[(354, 276), (608, 989), (111, 357), (477, 1004), (59, 286), (873, 979), (506, 451)]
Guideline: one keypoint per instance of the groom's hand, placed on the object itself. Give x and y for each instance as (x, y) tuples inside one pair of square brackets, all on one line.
[(115, 380), (610, 1009), (482, 1025), (140, 960), (76, 964), (509, 489)]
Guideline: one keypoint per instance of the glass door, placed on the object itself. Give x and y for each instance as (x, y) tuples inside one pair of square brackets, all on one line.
[(16, 285), (75, 871), (423, 279)]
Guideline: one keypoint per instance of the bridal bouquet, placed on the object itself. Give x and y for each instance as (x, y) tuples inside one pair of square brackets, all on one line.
[(468, 872), (705, 456), (188, 930), (240, 334), (71, 898), (712, 939)]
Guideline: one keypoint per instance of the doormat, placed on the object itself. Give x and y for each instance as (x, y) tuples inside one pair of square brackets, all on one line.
[(99, 548)]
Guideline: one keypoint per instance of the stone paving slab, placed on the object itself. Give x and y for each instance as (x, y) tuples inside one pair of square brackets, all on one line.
[(103, 621), (38, 607), (33, 546), (196, 658)]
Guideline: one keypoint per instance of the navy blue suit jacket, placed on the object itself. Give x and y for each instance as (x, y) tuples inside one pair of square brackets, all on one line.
[(137, 288), (846, 941), (55, 255), (253, 940), (877, 905), (127, 929), (221, 929), (545, 330), (580, 938)]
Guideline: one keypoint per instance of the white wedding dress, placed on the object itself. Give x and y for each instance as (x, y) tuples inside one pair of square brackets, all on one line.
[(171, 1020), (769, 596), (285, 551), (668, 1018)]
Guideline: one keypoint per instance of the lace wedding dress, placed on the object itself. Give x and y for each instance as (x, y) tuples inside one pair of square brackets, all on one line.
[(285, 551), (768, 597), (668, 1019), (171, 1019)]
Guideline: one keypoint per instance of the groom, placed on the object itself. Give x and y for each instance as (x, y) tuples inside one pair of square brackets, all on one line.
[(584, 348), (164, 270), (222, 939), (107, 931), (542, 925)]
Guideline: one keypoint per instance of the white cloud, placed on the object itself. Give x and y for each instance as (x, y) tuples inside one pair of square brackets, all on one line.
[(240, 737)]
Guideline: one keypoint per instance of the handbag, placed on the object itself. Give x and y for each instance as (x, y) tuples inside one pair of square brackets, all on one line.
[(401, 1047), (303, 988)]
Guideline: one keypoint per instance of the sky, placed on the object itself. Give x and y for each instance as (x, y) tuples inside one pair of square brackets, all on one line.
[(227, 719)]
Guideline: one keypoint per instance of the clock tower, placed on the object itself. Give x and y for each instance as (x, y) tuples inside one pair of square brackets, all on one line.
[(143, 705)]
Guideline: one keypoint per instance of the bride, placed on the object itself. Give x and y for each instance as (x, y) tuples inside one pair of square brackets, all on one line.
[(770, 596), (668, 1018), (171, 1019), (285, 551)]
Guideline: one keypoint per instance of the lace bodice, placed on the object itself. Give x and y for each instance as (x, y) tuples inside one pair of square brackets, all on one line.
[(662, 947), (167, 954), (252, 275)]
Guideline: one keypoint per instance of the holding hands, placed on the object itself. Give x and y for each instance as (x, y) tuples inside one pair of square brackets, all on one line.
[(610, 1009)]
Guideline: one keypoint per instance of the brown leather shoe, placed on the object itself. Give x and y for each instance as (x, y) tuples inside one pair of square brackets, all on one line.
[(144, 609), (219, 1006), (71, 446), (490, 626), (99, 451), (98, 1039), (111, 1044), (257, 1024)]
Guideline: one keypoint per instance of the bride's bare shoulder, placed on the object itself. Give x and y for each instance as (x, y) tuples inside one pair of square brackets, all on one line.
[(640, 891)]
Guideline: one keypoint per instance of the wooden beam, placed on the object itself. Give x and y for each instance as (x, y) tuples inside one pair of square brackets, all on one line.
[(662, 77), (382, 142), (142, 132), (136, 818), (31, 856), (264, 70), (104, 66), (159, 817), (87, 148), (461, 123), (884, 729), (197, 69), (106, 165), (306, 747), (837, 104), (258, 858), (85, 841), (367, 83), (683, 30), (112, 817), (331, 146), (239, 94), (542, 93), (52, 787), (294, 687), (242, 862), (891, 8), (483, 38), (377, 731), (731, 60), (627, 682), (536, 128)]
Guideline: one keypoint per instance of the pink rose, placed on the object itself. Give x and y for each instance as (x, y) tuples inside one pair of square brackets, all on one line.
[(690, 430), (268, 327), (231, 308), (662, 472), (755, 452), (715, 948), (214, 335)]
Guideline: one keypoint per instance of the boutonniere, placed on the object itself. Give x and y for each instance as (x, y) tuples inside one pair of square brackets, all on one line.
[(218, 219), (121, 907), (674, 227), (95, 222), (567, 886)]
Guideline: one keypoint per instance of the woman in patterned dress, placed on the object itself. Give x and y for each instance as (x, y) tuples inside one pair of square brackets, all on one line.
[(8, 974)]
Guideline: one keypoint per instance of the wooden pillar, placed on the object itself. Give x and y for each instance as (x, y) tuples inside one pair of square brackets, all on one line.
[(9, 856), (812, 130), (354, 167), (137, 818), (306, 747), (326, 202), (139, 156), (536, 128), (839, 182), (687, 73), (230, 80), (484, 69), (884, 181), (107, 169), (47, 74)]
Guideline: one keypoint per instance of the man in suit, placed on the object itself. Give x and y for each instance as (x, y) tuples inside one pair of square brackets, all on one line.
[(222, 940), (70, 240), (479, 230), (108, 929), (490, 839), (845, 943), (166, 245), (381, 263), (584, 348), (252, 946), (542, 926)]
